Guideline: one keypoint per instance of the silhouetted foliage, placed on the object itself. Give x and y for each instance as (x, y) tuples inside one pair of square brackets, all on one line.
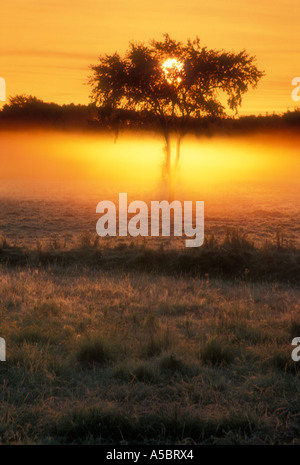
[(29, 110)]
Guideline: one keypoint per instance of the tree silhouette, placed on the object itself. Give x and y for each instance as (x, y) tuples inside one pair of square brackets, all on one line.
[(173, 83)]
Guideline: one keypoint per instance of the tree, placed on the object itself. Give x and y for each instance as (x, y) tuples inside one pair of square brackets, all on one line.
[(173, 83)]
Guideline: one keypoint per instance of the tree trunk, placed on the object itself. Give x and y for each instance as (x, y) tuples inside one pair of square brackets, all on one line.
[(178, 145), (172, 166), (172, 162), (171, 182)]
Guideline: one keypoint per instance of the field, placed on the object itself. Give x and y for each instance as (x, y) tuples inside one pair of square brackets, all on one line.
[(142, 340), (177, 331), (110, 344)]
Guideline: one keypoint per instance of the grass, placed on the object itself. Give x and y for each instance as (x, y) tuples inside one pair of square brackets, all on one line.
[(127, 355), (216, 352), (95, 350), (149, 428), (231, 257)]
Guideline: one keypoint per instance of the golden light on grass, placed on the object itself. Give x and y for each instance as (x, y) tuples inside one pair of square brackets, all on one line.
[(172, 68)]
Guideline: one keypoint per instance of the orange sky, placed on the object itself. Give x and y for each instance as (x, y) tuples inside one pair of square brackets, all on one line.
[(46, 46)]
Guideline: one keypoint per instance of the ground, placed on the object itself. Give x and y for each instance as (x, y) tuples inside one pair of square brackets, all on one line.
[(106, 353)]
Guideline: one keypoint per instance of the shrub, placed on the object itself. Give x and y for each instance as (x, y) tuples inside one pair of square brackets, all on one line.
[(95, 350), (170, 362), (294, 328), (216, 353), (156, 343), (282, 360)]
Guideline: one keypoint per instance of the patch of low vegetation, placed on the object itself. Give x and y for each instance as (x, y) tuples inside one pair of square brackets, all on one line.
[(178, 425), (156, 342), (232, 257), (216, 352), (282, 361), (96, 350)]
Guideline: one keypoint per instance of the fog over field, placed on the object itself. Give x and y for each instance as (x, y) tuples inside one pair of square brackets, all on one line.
[(51, 182)]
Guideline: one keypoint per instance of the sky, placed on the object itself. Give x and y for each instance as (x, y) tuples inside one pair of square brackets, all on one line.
[(46, 46)]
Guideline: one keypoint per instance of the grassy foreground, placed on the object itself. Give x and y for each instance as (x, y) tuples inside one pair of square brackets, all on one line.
[(102, 355)]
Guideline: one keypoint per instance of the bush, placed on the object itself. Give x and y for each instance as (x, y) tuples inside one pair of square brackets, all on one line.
[(216, 353), (282, 360), (156, 343), (294, 329), (170, 362), (95, 350)]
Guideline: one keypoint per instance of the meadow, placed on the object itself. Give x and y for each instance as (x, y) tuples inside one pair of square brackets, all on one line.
[(142, 340), (109, 344)]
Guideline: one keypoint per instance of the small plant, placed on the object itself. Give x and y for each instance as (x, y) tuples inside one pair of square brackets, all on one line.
[(87, 240), (282, 361), (156, 344), (94, 350), (56, 243), (294, 328), (3, 242), (170, 362), (30, 335), (216, 353), (48, 308), (153, 371), (151, 322), (237, 240), (145, 373)]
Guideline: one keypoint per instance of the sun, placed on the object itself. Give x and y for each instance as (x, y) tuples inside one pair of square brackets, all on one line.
[(172, 68)]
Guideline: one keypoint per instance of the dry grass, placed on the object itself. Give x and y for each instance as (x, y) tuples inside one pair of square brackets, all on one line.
[(233, 256), (103, 356)]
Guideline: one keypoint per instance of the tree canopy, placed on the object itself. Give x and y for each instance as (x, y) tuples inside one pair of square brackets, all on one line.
[(138, 80)]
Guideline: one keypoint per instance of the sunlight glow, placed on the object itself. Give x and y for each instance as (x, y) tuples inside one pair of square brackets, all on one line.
[(171, 68), (134, 164)]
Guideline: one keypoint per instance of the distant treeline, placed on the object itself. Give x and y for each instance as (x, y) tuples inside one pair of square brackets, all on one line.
[(29, 111), (23, 110)]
